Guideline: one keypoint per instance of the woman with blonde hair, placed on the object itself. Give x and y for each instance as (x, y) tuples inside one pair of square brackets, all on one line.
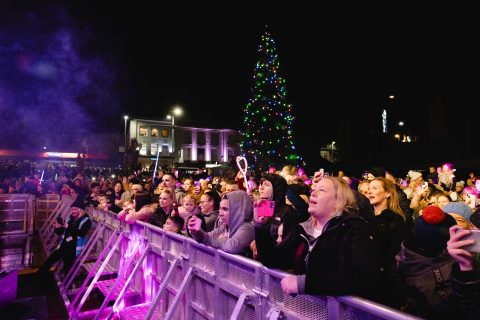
[(341, 258), (391, 229)]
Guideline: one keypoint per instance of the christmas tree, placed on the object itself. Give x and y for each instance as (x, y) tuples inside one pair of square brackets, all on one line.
[(267, 138)]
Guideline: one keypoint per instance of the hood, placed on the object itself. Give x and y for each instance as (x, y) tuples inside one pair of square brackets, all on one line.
[(239, 209), (279, 185), (410, 262)]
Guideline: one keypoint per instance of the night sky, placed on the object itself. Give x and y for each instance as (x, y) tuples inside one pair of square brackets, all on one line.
[(83, 65)]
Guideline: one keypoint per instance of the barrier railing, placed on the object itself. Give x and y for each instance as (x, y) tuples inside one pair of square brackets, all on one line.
[(17, 213), (44, 207), (178, 278)]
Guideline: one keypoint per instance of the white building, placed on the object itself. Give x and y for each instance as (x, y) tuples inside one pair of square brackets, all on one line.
[(182, 144)]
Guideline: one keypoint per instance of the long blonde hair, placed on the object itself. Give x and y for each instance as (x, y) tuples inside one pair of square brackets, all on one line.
[(393, 202)]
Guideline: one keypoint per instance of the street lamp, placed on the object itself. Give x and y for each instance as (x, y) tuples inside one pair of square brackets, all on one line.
[(333, 142), (177, 111), (126, 145)]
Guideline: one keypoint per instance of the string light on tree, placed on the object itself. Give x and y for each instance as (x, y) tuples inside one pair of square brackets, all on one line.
[(268, 115)]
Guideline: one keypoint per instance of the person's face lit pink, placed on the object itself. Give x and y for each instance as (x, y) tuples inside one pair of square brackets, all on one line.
[(189, 205)]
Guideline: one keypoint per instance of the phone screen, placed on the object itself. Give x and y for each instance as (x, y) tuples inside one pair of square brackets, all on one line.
[(474, 235), (266, 208)]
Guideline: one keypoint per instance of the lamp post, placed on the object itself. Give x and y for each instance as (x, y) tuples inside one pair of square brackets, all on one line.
[(177, 111), (126, 145), (333, 142)]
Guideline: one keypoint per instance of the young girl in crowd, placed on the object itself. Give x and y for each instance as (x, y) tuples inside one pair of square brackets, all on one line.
[(189, 207)]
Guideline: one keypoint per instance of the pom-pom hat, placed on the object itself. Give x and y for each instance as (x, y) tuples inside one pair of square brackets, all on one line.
[(431, 230)]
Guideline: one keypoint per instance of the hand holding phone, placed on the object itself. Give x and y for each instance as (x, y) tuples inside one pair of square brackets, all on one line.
[(265, 208), (475, 236)]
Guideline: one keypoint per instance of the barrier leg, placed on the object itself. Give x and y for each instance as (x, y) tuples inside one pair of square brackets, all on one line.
[(72, 273), (238, 306), (162, 288), (181, 290), (119, 278), (97, 274)]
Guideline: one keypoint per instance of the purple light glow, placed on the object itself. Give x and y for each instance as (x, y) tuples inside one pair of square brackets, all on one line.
[(50, 87), (147, 279)]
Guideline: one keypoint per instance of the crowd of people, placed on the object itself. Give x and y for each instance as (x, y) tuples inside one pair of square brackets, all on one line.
[(406, 243)]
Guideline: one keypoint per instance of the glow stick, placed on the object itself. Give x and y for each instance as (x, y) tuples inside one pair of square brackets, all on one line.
[(41, 178), (243, 170)]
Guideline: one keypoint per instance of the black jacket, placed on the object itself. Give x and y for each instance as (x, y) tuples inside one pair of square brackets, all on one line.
[(269, 253), (343, 260)]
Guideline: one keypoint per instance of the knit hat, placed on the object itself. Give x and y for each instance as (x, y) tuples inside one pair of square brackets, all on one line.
[(414, 175), (459, 208), (78, 203), (431, 230)]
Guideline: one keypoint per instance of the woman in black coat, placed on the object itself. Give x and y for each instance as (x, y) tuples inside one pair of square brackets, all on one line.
[(342, 258)]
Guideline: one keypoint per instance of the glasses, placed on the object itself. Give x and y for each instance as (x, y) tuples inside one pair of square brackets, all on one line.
[(202, 202)]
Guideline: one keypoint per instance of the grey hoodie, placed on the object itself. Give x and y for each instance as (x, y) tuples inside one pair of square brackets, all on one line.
[(240, 229)]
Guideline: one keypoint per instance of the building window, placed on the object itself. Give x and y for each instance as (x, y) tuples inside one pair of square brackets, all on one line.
[(164, 133), (214, 154), (214, 138), (201, 154), (143, 150), (154, 149), (201, 137), (142, 132), (165, 150), (154, 132)]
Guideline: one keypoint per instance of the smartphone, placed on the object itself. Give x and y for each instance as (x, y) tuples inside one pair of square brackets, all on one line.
[(266, 208), (59, 220), (322, 172), (474, 235)]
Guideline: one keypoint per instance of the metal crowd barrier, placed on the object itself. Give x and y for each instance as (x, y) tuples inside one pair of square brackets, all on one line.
[(17, 213), (169, 276), (44, 207)]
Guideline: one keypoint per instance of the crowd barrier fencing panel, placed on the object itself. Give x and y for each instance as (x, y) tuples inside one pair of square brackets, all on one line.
[(293, 307), (61, 210), (82, 258), (203, 289), (44, 206), (126, 284), (324, 307), (173, 247), (17, 214), (356, 307), (112, 225), (95, 273), (237, 279), (49, 238), (194, 281)]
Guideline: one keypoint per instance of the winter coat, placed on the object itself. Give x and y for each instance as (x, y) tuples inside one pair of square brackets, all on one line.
[(343, 260), (427, 281), (77, 230), (466, 293)]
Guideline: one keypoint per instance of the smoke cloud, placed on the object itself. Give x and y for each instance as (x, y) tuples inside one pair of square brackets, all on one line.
[(53, 90)]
